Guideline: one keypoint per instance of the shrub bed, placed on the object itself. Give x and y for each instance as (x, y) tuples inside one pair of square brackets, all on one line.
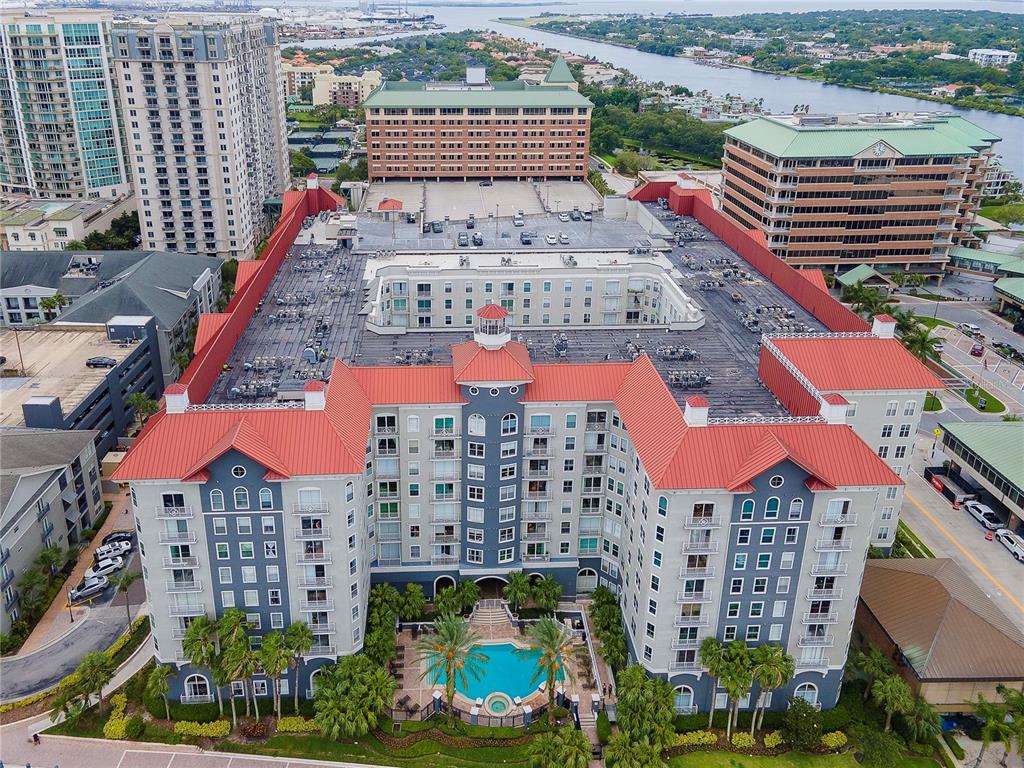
[(116, 726), (254, 730), (604, 727), (699, 721), (696, 739), (837, 740), (297, 725), (953, 744), (216, 729), (743, 740), (190, 713), (447, 740)]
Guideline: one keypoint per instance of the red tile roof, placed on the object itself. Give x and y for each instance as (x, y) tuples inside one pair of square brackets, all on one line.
[(857, 363), (472, 363), (576, 382), (246, 271), (406, 385), (492, 312), (834, 398), (209, 324), (815, 277), (390, 204)]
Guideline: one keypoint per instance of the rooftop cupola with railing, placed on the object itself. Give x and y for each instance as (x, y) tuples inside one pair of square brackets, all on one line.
[(492, 331)]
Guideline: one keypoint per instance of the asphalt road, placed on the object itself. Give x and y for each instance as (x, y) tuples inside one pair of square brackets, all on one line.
[(964, 312)]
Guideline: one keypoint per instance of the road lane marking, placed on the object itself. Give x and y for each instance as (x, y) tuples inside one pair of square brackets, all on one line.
[(973, 560)]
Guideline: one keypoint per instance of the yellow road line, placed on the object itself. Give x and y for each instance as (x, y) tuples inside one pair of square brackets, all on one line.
[(968, 555)]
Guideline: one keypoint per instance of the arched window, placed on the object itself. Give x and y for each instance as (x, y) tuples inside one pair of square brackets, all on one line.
[(747, 510), (477, 425), (241, 498), (312, 681), (197, 688), (266, 499), (217, 500), (662, 506), (808, 692), (796, 508), (771, 508), (684, 700), (509, 424)]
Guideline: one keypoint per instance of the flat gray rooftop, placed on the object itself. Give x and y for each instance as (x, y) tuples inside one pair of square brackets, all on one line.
[(328, 283)]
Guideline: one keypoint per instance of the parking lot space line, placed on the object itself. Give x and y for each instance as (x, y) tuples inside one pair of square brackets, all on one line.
[(971, 558)]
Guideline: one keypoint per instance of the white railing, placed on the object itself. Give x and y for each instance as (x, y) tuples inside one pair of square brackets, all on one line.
[(691, 621), (173, 512), (322, 650), (535, 515), (444, 538), (833, 545), (320, 508), (821, 618), (443, 559), (444, 517), (693, 597), (809, 641), (536, 557), (849, 518), (836, 569), (185, 610), (444, 432), (304, 534), (316, 605), (315, 581), (535, 536), (684, 666), (181, 562), (700, 547), (686, 572), (323, 628), (537, 495), (313, 557), (539, 430), (197, 698), (685, 645), (703, 521), (824, 594), (183, 586), (177, 537)]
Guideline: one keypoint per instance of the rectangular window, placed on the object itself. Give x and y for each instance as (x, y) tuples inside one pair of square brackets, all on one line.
[(760, 585), (252, 598), (273, 574), (220, 526), (782, 585), (736, 587), (475, 555), (767, 536), (756, 610), (764, 561), (269, 525), (274, 597), (243, 525), (248, 574), (224, 575), (506, 555), (753, 633), (227, 599), (223, 552)]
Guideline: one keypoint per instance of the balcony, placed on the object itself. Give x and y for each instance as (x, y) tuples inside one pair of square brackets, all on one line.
[(691, 621), (444, 538), (322, 650), (816, 641), (385, 430), (535, 514), (685, 666), (388, 495), (536, 557), (451, 496), (690, 710), (4, 555), (320, 508), (705, 572), (196, 698), (387, 474), (447, 453), (444, 559), (703, 521), (537, 474), (42, 513), (445, 517), (186, 610), (387, 451), (307, 534), (835, 593), (834, 569), (183, 586), (177, 537), (315, 581), (700, 547), (7, 580), (444, 432), (597, 426), (685, 645), (540, 430), (178, 633), (539, 452), (535, 536), (812, 664), (593, 469), (303, 558), (833, 545), (446, 477), (537, 495), (821, 618), (841, 518), (172, 513), (307, 606), (10, 600), (389, 534), (181, 562), (693, 597)]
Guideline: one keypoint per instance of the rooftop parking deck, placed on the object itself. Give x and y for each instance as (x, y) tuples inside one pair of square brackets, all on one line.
[(316, 299)]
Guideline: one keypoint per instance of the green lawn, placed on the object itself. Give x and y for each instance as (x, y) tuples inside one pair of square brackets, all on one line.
[(909, 539), (1004, 214), (932, 403), (787, 760), (932, 322), (992, 404)]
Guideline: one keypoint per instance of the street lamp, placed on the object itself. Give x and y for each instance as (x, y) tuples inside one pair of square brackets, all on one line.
[(71, 613)]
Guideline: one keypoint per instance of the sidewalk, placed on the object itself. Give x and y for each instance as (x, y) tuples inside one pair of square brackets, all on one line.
[(56, 622)]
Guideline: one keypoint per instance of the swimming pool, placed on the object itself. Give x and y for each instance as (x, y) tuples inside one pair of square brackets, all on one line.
[(504, 671)]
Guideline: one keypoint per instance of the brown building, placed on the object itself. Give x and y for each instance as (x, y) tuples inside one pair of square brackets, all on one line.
[(947, 639), (897, 192), (479, 129)]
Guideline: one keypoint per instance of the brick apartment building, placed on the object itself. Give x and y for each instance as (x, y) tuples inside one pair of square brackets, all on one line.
[(479, 129), (347, 91), (837, 191)]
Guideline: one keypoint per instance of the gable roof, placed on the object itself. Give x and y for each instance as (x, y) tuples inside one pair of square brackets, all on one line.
[(950, 629), (1000, 444), (246, 271), (49, 269), (862, 362), (815, 277), (472, 363), (559, 72), (206, 329), (860, 274), (29, 451)]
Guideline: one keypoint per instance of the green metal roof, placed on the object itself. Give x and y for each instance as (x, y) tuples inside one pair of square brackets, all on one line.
[(859, 274), (1000, 444), (512, 93), (20, 218), (947, 135), (1013, 287), (559, 73)]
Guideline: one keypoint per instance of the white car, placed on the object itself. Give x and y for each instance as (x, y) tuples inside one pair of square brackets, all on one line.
[(1012, 542), (551, 239), (969, 328), (113, 549), (983, 515), (105, 567), (939, 347), (563, 216), (88, 588)]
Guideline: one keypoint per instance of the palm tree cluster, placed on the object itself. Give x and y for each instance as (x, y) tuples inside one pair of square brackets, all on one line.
[(916, 337), (37, 589), (893, 695), (451, 654), (607, 617), (545, 592), (736, 667), (92, 675), (564, 748), (552, 643), (1001, 722), (351, 696)]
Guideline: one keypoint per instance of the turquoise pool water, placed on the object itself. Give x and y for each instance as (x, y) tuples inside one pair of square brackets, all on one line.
[(505, 671)]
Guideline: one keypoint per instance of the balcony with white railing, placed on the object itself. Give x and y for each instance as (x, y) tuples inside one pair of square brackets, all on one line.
[(387, 474), (686, 572), (833, 569), (691, 621), (590, 470), (444, 538), (690, 710), (386, 452), (816, 641), (446, 476), (315, 581), (838, 518), (177, 537), (178, 633), (440, 432), (183, 586), (197, 698), (833, 545), (684, 596), (540, 452), (811, 617), (308, 606), (444, 454), (185, 610), (538, 474), (536, 557), (389, 534), (320, 508), (685, 645), (534, 514), (685, 666), (385, 431), (540, 430), (173, 513), (597, 426), (537, 495), (181, 562), (312, 534), (445, 517), (536, 536), (702, 521), (388, 495), (322, 650), (312, 558), (444, 559), (700, 547), (836, 593), (811, 663)]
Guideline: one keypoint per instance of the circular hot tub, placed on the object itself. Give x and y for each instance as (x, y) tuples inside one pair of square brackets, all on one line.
[(498, 704)]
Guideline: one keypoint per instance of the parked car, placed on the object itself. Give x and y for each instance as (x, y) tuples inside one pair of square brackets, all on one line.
[(969, 328), (89, 588), (101, 362), (1012, 542), (977, 350), (463, 240), (124, 535), (575, 215), (105, 567), (551, 239), (113, 549), (518, 221), (984, 515), (563, 216), (471, 222), (587, 216), (525, 239), (563, 238), (939, 347), (486, 183), (478, 239), (436, 227)]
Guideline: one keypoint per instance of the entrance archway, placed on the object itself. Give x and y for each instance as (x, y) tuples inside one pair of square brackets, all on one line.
[(441, 582), (491, 587), (586, 580)]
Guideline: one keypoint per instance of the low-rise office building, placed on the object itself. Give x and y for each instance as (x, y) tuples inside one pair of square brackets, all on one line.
[(991, 57), (347, 91), (990, 455), (46, 225), (894, 191), (49, 493)]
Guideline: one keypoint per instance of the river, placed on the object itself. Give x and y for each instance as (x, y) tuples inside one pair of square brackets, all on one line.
[(780, 94)]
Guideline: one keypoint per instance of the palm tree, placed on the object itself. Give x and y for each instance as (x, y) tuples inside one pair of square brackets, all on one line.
[(893, 695), (1014, 702), (545, 751), (546, 593), (574, 748), (274, 656), (445, 601), (299, 639), (623, 752), (157, 685), (736, 679), (122, 581), (451, 652), (771, 667), (517, 591), (468, 595), (906, 321), (143, 405), (33, 587), (920, 343), (94, 672), (201, 645), (242, 663), (233, 628), (553, 641), (50, 560), (712, 658), (351, 696), (922, 721), (413, 603), (874, 664), (69, 704), (994, 728)]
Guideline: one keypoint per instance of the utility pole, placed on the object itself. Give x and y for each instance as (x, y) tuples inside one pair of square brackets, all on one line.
[(21, 360)]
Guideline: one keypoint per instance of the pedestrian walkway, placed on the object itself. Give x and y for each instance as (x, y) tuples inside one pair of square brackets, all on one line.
[(57, 622)]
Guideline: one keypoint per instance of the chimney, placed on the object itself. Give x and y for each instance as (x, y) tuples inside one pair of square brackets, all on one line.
[(696, 411), (884, 326), (833, 408), (314, 396), (176, 398), (312, 181)]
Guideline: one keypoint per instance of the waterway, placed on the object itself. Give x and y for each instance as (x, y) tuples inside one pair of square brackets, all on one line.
[(780, 93)]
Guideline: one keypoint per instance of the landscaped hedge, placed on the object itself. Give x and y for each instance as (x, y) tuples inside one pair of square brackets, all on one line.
[(954, 745), (446, 739), (216, 729), (604, 727), (836, 740), (191, 713), (116, 726), (699, 721), (297, 725), (835, 719), (696, 739)]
